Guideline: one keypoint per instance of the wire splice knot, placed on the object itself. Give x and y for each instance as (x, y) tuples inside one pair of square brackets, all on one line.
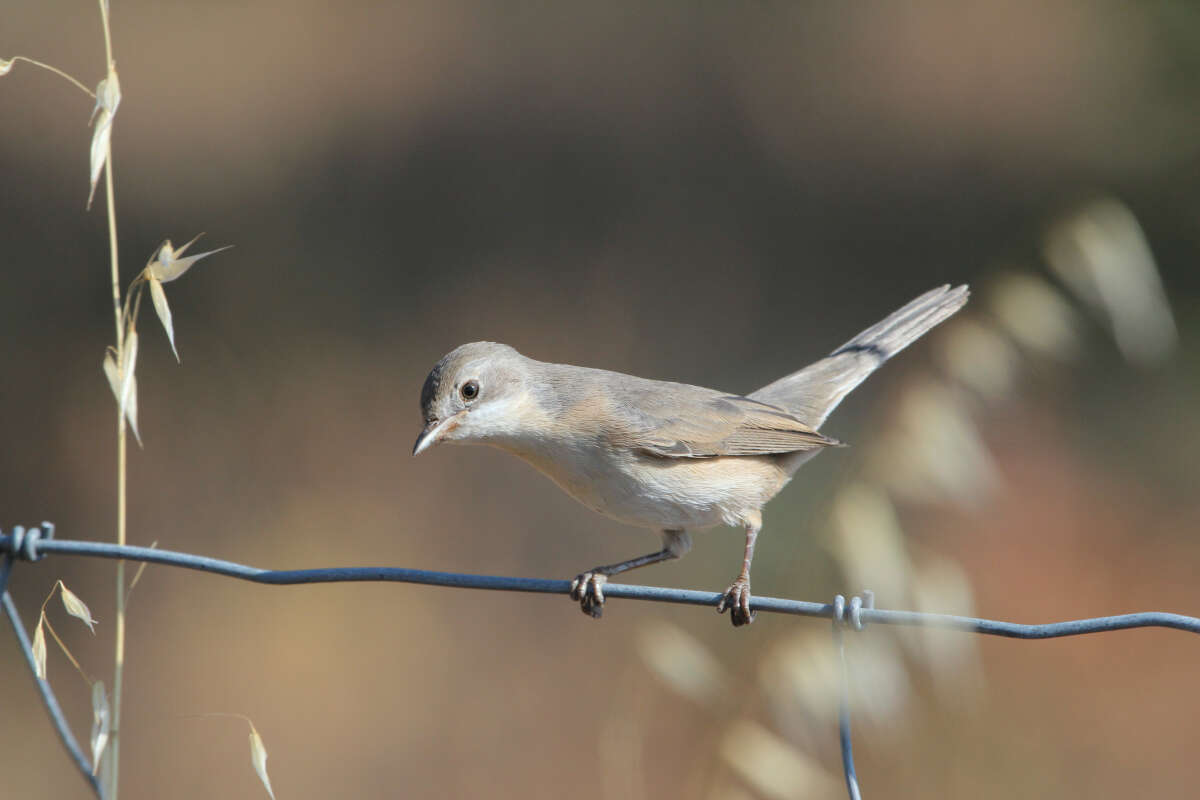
[(23, 544), (855, 607)]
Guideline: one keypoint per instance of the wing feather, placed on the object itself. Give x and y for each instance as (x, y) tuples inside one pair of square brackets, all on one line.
[(704, 425)]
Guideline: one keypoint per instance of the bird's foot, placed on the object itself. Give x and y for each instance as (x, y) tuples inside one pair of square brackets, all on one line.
[(588, 590), (737, 600)]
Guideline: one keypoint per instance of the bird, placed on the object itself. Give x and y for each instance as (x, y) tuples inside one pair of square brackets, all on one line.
[(666, 456)]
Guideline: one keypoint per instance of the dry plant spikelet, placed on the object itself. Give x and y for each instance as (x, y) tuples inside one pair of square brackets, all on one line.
[(258, 757), (682, 662), (101, 723), (772, 767), (166, 265), (258, 750), (1102, 255), (108, 97), (76, 607), (39, 648), (1033, 314), (119, 369)]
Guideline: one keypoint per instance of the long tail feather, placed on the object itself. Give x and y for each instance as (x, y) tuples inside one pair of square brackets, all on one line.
[(815, 391)]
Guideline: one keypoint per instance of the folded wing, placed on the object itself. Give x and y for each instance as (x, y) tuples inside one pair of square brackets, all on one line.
[(707, 426)]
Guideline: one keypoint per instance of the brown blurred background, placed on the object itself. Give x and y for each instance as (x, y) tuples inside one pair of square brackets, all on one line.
[(696, 192)]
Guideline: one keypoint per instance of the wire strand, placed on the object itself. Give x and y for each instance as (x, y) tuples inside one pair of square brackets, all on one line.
[(991, 627), (16, 546)]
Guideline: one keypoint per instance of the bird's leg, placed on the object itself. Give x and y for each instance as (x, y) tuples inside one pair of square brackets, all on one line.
[(588, 587), (737, 596)]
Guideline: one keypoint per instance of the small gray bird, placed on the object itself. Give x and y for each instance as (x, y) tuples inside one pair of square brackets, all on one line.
[(654, 454)]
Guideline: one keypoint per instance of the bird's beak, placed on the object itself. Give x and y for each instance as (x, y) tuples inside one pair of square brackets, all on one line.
[(433, 432)]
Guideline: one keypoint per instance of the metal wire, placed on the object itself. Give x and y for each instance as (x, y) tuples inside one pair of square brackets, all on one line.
[(1147, 619), (839, 643), (861, 612), (48, 698)]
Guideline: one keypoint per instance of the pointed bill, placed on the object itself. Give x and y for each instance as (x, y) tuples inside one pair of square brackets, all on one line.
[(164, 312), (76, 607), (101, 723), (39, 649), (258, 757), (108, 97), (433, 432)]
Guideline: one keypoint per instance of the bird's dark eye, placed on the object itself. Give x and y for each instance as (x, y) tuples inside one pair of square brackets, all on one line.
[(469, 390)]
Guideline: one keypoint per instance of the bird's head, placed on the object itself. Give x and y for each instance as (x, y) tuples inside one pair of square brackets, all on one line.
[(477, 393)]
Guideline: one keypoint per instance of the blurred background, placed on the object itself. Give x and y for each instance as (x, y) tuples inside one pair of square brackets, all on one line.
[(695, 192)]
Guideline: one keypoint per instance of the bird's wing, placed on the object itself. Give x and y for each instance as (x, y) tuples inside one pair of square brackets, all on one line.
[(703, 424)]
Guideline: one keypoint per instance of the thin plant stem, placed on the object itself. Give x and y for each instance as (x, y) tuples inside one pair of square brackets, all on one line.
[(112, 212), (57, 72), (119, 633), (114, 745), (114, 742), (66, 652)]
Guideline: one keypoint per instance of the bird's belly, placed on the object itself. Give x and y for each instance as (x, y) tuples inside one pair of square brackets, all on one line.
[(669, 493)]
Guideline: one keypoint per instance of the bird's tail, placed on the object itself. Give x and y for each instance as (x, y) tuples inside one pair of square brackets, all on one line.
[(815, 391)]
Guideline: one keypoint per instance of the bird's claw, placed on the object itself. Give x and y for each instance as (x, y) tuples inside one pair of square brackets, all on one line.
[(737, 600), (588, 590)]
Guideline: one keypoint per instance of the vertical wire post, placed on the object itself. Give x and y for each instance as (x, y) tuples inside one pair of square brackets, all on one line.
[(839, 623)]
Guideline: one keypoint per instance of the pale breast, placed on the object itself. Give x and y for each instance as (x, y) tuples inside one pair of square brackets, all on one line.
[(664, 493)]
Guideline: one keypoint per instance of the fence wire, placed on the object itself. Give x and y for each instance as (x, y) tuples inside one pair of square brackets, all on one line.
[(35, 543)]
